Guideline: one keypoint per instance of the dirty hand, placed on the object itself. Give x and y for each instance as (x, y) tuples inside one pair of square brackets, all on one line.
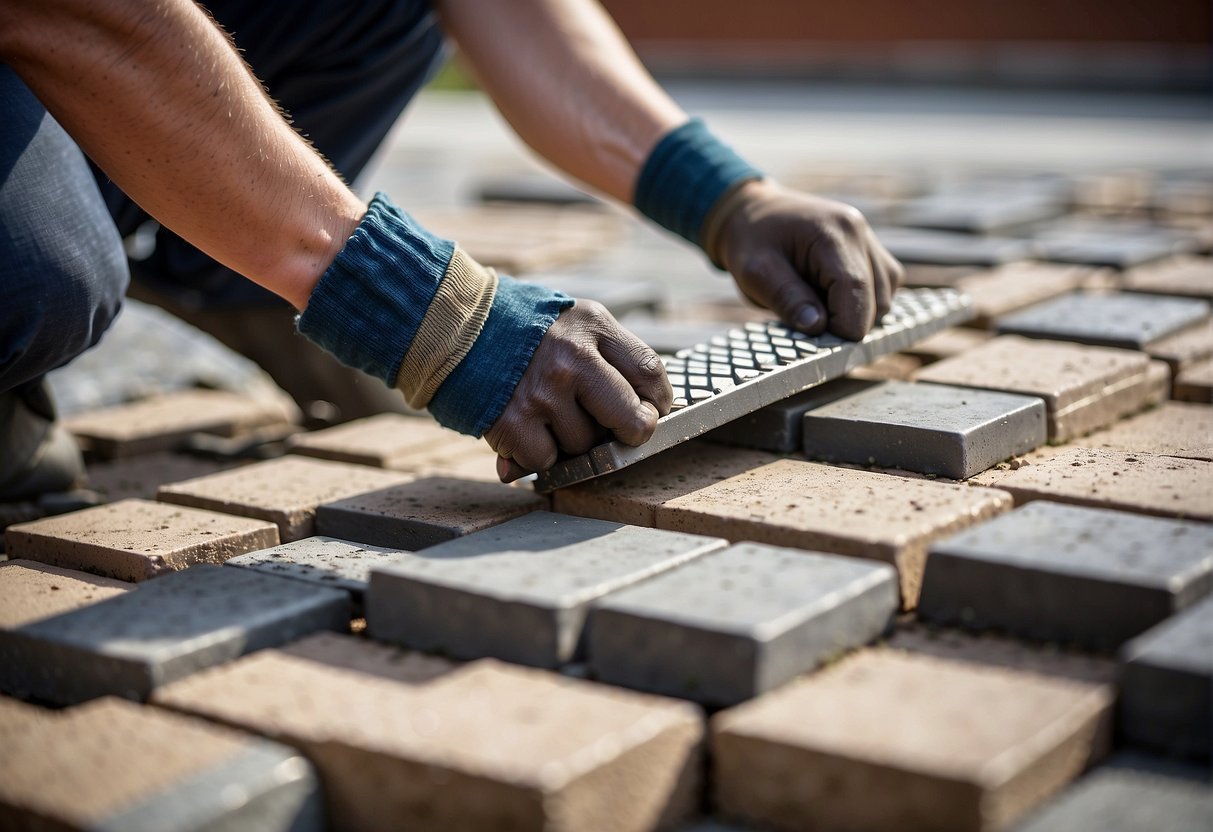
[(588, 377), (814, 262)]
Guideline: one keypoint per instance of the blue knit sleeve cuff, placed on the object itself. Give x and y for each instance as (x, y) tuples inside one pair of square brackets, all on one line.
[(477, 391), (687, 173), (368, 304)]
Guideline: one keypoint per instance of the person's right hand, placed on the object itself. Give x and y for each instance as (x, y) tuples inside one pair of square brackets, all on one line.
[(588, 378)]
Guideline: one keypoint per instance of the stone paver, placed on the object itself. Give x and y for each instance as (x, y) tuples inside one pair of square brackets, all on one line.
[(389, 440), (283, 491), (780, 427), (133, 540), (163, 422), (140, 477), (947, 248), (520, 591), (361, 655), (1144, 483), (114, 765), (733, 624), (31, 591), (857, 513), (1183, 276), (1055, 572), (1166, 698), (1111, 320), (322, 561), (980, 210), (1009, 288), (132, 643), (1171, 429), (948, 343), (424, 512), (929, 428), (1084, 387), (1130, 794), (886, 740), (634, 494), (1121, 246), (1185, 349), (1195, 384), (894, 367), (490, 746)]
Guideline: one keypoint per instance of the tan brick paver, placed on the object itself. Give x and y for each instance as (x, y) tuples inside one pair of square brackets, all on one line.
[(31, 591), (1172, 429), (1195, 384), (390, 440), (1017, 286)]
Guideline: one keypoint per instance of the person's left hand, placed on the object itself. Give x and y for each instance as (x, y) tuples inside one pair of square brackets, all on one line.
[(814, 262)]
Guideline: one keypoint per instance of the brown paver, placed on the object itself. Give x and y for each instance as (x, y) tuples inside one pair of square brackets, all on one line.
[(1186, 276), (1016, 286), (487, 746), (892, 367), (889, 740), (948, 343), (1195, 384), (141, 476), (1084, 387), (161, 423), (283, 491), (133, 540), (1185, 349), (1145, 483), (425, 511), (1172, 429), (86, 767), (830, 509), (634, 494), (389, 440), (31, 591)]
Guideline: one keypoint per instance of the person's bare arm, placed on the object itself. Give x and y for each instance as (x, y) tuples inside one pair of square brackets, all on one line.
[(161, 100)]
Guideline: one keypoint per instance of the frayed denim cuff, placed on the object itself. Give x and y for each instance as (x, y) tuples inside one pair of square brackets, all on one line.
[(685, 176)]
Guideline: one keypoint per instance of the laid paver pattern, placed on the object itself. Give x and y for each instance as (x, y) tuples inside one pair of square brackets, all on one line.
[(520, 591), (1056, 572), (283, 491), (133, 540), (30, 591), (1172, 429), (163, 422), (1084, 387), (424, 512), (731, 625), (1146, 483), (1167, 685), (132, 643), (111, 764), (920, 732), (808, 505), (955, 432), (487, 746), (1110, 320)]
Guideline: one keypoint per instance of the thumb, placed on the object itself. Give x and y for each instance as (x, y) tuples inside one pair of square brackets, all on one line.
[(782, 290)]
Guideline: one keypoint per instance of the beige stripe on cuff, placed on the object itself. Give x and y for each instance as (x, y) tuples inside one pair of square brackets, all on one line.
[(450, 327)]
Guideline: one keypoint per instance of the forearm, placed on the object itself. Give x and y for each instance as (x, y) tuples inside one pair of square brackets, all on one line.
[(568, 83), (157, 96)]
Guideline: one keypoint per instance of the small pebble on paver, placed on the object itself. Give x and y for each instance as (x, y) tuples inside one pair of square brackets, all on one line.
[(955, 432), (1009, 288), (1178, 429), (388, 440), (1084, 388), (489, 746), (31, 591), (1166, 700), (133, 540), (779, 427), (520, 591), (1111, 320), (282, 491), (1195, 384), (1054, 572), (634, 494), (1165, 486), (322, 561), (424, 512), (176, 625), (1130, 793), (886, 740), (163, 422), (111, 764), (733, 624), (1183, 276), (809, 505)]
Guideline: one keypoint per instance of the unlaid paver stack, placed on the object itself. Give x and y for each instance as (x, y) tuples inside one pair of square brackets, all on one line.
[(968, 589)]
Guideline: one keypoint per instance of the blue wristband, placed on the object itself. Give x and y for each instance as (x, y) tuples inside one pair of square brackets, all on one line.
[(685, 176), (369, 303)]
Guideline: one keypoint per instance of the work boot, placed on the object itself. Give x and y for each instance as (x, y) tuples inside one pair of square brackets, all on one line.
[(37, 456)]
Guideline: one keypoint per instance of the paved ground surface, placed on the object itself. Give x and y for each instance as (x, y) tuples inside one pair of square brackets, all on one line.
[(800, 622)]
